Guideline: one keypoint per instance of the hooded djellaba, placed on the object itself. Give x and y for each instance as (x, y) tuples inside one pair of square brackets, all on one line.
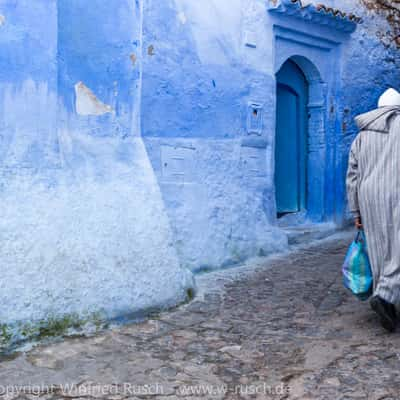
[(373, 189)]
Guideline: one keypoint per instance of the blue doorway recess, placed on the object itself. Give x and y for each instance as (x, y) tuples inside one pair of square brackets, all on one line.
[(291, 140)]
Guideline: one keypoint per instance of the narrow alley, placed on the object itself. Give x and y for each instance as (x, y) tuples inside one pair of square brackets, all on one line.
[(281, 329)]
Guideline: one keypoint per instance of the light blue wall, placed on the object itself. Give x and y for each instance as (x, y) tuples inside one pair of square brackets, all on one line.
[(28, 79), (197, 83), (95, 45)]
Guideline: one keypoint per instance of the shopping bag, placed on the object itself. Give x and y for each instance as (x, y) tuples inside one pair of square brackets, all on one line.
[(357, 272)]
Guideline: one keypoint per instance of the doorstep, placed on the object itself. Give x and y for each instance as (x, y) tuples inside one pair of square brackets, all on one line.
[(302, 234)]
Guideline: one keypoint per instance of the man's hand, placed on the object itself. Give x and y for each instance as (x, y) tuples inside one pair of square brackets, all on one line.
[(358, 223)]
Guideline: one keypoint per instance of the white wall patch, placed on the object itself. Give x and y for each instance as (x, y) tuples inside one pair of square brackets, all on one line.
[(182, 18), (87, 103), (250, 39)]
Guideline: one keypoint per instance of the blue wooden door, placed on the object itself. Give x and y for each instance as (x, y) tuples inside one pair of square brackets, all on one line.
[(291, 139)]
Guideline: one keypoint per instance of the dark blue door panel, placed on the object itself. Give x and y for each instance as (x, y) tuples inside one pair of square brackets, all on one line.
[(287, 151)]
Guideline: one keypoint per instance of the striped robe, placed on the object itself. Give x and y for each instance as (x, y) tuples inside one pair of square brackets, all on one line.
[(373, 189)]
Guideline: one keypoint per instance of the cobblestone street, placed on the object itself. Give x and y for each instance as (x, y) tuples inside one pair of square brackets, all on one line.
[(284, 328)]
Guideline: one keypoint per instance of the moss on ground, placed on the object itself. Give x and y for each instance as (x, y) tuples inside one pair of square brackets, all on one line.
[(47, 328), (69, 324), (190, 293), (5, 335)]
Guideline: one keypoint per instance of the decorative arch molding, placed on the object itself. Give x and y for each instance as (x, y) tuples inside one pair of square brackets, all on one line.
[(316, 14)]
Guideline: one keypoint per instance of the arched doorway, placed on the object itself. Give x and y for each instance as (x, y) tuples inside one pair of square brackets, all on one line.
[(301, 148), (291, 139)]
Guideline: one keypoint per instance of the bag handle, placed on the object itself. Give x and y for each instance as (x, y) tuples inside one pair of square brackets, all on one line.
[(360, 238)]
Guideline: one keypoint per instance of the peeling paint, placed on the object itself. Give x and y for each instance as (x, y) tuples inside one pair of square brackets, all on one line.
[(87, 103), (391, 11), (2, 20), (133, 58)]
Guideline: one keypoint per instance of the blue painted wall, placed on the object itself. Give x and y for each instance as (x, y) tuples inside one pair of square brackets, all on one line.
[(28, 79), (369, 66), (129, 153), (84, 231), (197, 83), (96, 45)]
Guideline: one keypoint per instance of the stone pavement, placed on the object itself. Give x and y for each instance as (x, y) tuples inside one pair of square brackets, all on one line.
[(282, 329)]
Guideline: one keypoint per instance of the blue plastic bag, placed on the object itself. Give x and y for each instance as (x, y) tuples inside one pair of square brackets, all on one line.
[(357, 272)]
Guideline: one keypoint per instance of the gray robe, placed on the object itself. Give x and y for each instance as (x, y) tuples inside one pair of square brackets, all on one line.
[(373, 189)]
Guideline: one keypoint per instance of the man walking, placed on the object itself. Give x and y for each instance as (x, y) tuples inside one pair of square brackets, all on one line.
[(373, 188)]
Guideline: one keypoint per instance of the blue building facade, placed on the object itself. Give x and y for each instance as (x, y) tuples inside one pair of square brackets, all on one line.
[(138, 141)]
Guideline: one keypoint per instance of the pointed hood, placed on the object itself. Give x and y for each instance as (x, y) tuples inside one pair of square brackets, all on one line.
[(390, 97), (377, 120)]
